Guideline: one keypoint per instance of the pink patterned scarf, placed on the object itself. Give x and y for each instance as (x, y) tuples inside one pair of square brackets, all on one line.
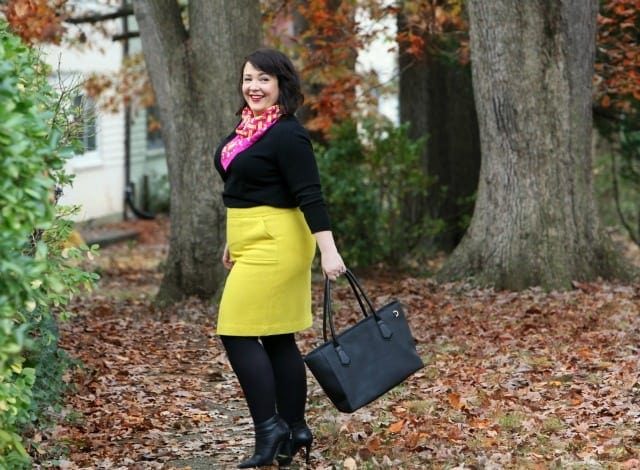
[(250, 129)]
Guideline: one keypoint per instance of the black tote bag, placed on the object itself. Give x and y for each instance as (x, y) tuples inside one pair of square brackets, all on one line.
[(366, 360)]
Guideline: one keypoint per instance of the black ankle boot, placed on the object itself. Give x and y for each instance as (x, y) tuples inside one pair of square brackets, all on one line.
[(300, 437), (271, 436)]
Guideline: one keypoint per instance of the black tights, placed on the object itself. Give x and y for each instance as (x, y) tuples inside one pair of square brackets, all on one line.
[(272, 375)]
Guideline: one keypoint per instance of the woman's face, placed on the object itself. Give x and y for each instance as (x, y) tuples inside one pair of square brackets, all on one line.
[(259, 89)]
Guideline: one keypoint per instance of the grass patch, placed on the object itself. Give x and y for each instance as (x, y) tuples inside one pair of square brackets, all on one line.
[(431, 373), (446, 348), (511, 422), (428, 359), (539, 362), (74, 418), (421, 407), (552, 424)]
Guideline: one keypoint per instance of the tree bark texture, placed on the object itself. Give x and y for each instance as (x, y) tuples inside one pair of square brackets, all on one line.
[(535, 220), (436, 98), (195, 76)]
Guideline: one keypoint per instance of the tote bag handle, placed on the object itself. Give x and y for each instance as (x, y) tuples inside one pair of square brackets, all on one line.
[(359, 293)]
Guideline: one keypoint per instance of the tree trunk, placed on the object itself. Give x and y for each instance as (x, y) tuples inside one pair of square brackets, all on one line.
[(535, 220), (436, 97), (195, 76)]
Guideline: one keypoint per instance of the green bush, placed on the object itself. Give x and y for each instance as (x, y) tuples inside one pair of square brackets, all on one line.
[(368, 175), (352, 201), (159, 194), (37, 273)]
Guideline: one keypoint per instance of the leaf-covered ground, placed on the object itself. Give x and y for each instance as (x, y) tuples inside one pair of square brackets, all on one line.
[(512, 380)]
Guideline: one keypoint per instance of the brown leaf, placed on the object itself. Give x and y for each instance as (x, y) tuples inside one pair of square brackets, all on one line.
[(374, 444), (412, 440), (479, 423), (22, 9), (455, 401), (396, 427)]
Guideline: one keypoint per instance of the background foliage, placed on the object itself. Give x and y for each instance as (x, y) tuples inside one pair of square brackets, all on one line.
[(617, 106), (37, 273), (368, 172)]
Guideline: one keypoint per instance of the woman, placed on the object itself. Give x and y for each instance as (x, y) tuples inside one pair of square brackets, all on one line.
[(275, 217)]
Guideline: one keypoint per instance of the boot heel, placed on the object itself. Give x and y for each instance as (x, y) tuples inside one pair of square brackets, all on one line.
[(271, 436), (308, 454), (300, 438)]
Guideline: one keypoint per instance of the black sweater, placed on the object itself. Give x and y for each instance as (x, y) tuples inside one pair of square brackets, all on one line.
[(278, 170)]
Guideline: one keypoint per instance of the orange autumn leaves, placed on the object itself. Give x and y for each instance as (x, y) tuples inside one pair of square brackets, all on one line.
[(429, 24), (617, 78), (335, 30), (36, 20)]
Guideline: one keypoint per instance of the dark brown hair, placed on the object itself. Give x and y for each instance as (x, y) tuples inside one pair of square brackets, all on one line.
[(274, 62)]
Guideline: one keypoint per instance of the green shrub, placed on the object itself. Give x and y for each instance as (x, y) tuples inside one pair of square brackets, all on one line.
[(352, 201), (159, 194), (37, 276), (617, 174), (368, 175)]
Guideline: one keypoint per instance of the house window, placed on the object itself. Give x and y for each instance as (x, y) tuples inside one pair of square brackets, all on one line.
[(85, 112), (154, 132)]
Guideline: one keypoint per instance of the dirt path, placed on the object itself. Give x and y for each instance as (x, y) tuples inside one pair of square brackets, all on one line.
[(158, 386)]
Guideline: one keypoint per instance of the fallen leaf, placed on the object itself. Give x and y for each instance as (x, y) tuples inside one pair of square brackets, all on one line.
[(349, 464), (396, 427), (454, 400), (374, 444), (479, 423), (582, 428)]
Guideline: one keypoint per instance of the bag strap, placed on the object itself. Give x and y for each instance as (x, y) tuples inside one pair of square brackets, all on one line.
[(359, 293), (327, 317), (342, 356), (326, 309), (357, 289), (356, 286)]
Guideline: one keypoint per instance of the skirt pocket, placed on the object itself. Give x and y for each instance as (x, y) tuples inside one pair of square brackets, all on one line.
[(250, 242)]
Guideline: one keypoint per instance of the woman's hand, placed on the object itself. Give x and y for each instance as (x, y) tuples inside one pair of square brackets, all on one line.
[(332, 265), (226, 258), (330, 259)]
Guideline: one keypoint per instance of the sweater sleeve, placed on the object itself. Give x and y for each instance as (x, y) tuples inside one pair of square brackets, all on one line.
[(298, 166)]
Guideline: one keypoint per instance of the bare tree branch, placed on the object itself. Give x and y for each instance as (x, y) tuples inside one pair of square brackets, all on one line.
[(616, 197), (99, 17)]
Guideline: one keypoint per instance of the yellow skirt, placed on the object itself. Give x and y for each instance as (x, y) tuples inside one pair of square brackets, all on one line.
[(268, 290)]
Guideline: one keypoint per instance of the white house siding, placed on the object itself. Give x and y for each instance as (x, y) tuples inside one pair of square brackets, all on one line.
[(99, 183), (99, 175), (138, 138), (145, 162)]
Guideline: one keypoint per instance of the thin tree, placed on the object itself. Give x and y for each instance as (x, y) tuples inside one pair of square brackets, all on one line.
[(535, 220), (194, 72)]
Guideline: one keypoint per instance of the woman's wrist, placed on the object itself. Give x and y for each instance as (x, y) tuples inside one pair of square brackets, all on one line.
[(326, 244)]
